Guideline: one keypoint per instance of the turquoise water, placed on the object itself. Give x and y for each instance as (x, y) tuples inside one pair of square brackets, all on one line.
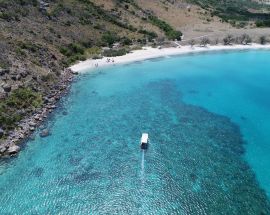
[(208, 120)]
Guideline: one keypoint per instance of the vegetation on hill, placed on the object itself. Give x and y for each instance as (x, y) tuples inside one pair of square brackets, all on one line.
[(237, 10), (169, 31), (38, 39), (20, 102)]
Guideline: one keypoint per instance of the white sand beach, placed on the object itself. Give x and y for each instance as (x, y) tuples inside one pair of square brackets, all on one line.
[(149, 53)]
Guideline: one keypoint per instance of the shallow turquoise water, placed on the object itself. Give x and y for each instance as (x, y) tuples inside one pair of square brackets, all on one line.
[(208, 120)]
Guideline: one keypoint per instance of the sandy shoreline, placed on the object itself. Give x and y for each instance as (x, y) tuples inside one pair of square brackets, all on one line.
[(149, 53)]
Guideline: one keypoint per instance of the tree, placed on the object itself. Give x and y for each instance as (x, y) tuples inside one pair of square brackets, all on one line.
[(262, 40), (110, 38), (228, 40), (126, 41), (174, 35), (245, 39), (191, 43), (204, 41)]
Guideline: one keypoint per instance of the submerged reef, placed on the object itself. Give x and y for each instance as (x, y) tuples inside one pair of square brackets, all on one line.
[(194, 163)]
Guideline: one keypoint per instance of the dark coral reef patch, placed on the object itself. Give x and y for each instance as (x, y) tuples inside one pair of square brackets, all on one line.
[(195, 162)]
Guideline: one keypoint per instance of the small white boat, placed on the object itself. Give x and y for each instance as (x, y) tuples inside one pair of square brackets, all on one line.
[(144, 141)]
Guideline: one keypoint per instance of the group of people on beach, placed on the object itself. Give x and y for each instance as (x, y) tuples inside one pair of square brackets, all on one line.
[(108, 60)]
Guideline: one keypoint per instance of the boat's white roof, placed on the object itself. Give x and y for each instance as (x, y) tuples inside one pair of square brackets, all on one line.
[(144, 138)]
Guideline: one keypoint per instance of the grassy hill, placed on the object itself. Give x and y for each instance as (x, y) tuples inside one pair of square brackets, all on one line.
[(237, 10), (39, 39)]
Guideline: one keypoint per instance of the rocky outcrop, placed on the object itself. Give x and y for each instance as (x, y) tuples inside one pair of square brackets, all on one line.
[(3, 95), (2, 149), (3, 71), (44, 133), (7, 88), (13, 149), (28, 125), (9, 149), (1, 132), (43, 6)]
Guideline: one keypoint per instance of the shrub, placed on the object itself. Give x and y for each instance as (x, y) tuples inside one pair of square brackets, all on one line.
[(204, 41), (228, 40), (47, 77), (168, 30), (241, 24), (95, 57), (93, 51), (262, 40), (110, 38), (191, 43), (114, 53), (19, 99), (245, 39), (29, 46), (73, 52), (126, 41), (174, 35), (6, 16), (151, 35), (142, 41), (23, 97), (263, 23), (72, 49)]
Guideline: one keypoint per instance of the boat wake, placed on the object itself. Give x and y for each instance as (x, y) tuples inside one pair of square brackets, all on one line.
[(142, 168)]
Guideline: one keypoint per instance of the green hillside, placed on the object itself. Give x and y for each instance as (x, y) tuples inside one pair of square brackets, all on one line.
[(240, 10), (39, 39)]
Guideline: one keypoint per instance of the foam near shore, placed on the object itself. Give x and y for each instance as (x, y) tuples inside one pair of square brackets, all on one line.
[(149, 53)]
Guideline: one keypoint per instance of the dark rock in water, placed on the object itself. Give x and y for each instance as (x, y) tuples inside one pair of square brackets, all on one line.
[(193, 177), (32, 137), (243, 118), (1, 132), (32, 129), (13, 149), (44, 133), (75, 73), (7, 88), (65, 113), (33, 124)]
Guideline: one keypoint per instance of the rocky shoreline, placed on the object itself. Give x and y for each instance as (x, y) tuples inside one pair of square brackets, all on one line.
[(10, 145)]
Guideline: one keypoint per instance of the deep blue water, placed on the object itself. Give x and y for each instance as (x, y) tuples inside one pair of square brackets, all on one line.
[(208, 117)]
